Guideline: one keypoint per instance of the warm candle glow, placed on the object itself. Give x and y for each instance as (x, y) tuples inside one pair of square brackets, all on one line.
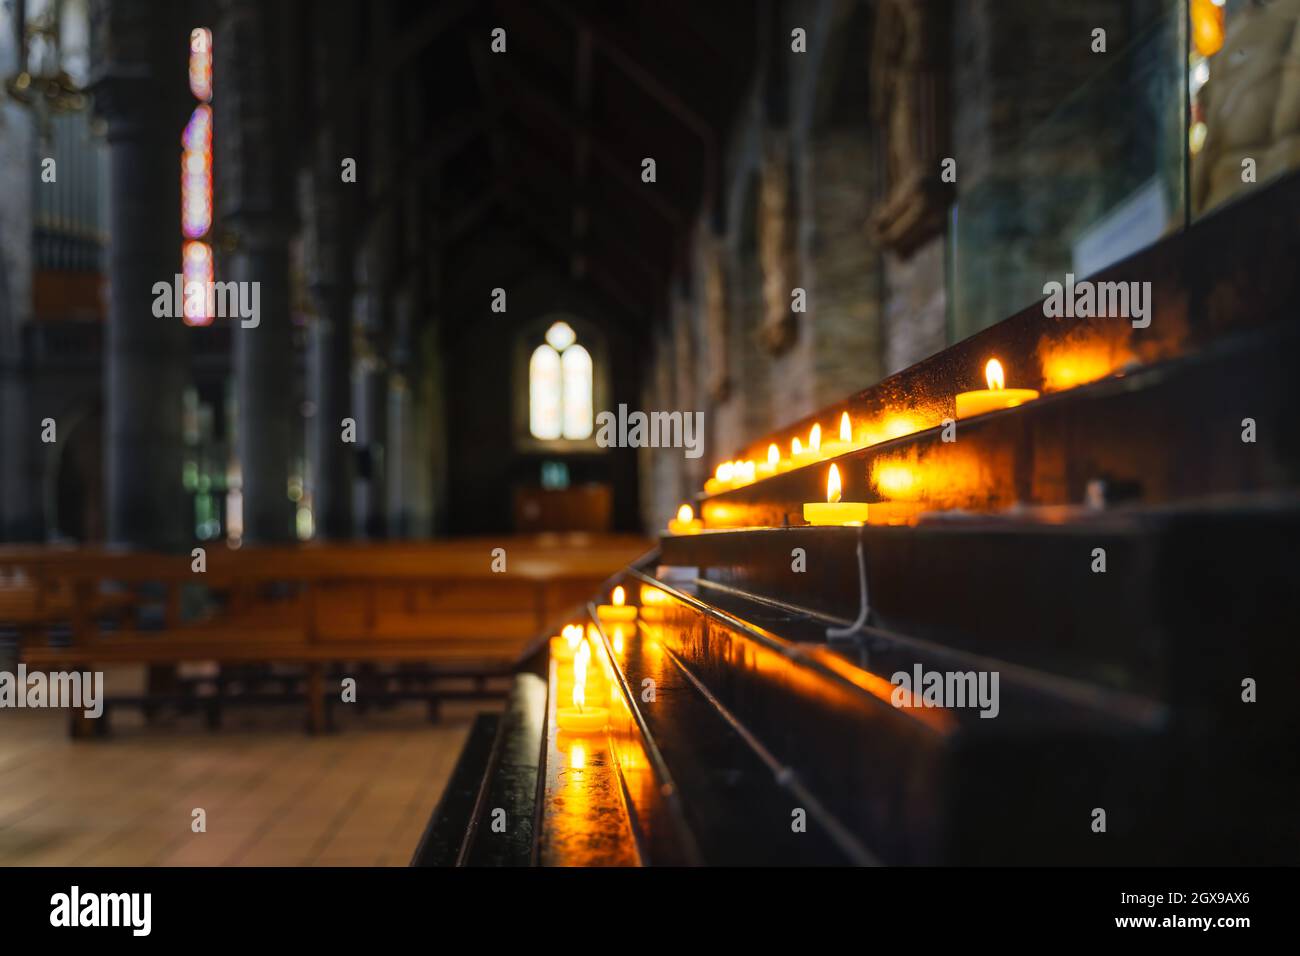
[(773, 456), (834, 511), (618, 596), (573, 634), (846, 430), (895, 481), (796, 447), (994, 398), (833, 487), (654, 596), (580, 661), (685, 522), (994, 376), (815, 439), (726, 471)]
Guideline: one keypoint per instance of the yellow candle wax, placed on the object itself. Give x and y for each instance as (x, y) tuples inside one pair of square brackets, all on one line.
[(993, 398), (685, 522), (843, 443), (799, 456), (582, 717), (589, 720), (833, 511), (724, 478), (564, 646), (617, 610)]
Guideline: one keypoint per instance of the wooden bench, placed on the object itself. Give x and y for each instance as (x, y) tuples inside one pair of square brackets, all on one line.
[(439, 605)]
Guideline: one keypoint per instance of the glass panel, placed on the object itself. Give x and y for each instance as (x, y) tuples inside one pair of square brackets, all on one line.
[(544, 393), (560, 336), (577, 392), (1244, 79), (1098, 177)]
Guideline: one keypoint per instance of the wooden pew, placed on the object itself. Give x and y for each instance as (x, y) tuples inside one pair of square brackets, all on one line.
[(438, 604)]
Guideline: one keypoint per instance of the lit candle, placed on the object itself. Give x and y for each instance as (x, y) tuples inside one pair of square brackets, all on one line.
[(685, 522), (834, 511), (799, 456), (722, 479), (844, 442), (564, 646), (994, 397), (617, 610), (773, 460), (815, 441), (745, 473), (581, 718)]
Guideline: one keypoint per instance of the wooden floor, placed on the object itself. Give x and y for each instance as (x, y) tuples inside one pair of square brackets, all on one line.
[(273, 795)]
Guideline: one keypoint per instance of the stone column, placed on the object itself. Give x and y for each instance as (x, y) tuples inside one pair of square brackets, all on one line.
[(140, 91), (264, 369), (331, 254), (330, 388), (254, 144)]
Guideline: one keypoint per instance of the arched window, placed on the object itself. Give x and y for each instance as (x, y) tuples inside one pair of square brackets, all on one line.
[(560, 387)]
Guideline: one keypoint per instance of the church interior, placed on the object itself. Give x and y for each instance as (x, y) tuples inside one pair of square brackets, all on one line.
[(582, 433)]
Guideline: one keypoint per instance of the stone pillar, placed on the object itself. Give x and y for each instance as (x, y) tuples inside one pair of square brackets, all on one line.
[(370, 398), (331, 267), (254, 143), (140, 91), (264, 364), (330, 388)]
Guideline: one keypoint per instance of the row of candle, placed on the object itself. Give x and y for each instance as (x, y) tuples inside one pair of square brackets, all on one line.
[(572, 650), (737, 474)]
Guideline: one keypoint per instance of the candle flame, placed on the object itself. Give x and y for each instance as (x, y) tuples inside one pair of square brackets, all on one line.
[(619, 596), (993, 375), (815, 439), (580, 661), (573, 634), (833, 485), (725, 471), (773, 455), (846, 430), (796, 447), (685, 514)]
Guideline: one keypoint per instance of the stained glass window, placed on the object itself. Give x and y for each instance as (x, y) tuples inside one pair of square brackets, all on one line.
[(560, 387), (196, 179)]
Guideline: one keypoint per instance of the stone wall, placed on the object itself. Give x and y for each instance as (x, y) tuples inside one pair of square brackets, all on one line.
[(1041, 153)]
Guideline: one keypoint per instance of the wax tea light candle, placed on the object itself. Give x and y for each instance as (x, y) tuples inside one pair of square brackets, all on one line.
[(564, 646), (833, 511), (685, 522), (799, 456), (581, 718), (723, 478), (769, 467), (843, 442), (617, 609), (995, 397)]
